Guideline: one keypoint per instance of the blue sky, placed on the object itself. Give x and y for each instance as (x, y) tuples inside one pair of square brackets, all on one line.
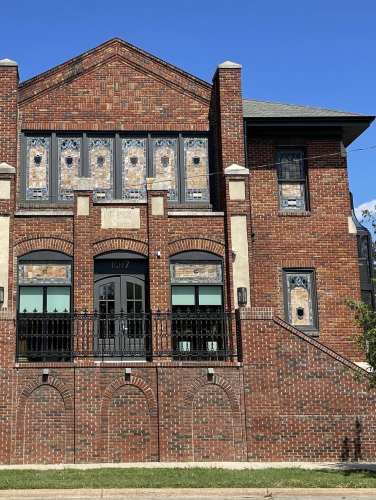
[(320, 53)]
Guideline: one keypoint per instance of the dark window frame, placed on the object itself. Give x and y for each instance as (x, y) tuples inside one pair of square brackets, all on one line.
[(198, 257), (41, 257), (310, 329), (117, 163), (302, 181)]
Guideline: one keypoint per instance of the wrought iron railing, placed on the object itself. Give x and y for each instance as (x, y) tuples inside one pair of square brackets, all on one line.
[(144, 336)]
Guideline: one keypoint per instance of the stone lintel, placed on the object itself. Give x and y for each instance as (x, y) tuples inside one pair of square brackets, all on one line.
[(236, 170)]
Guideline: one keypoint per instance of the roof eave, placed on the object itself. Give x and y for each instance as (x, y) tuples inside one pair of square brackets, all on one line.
[(350, 127)]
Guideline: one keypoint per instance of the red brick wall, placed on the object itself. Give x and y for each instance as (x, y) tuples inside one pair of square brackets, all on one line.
[(8, 114), (45, 427), (318, 239)]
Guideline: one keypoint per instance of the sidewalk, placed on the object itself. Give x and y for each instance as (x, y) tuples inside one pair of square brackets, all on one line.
[(208, 465), (193, 494)]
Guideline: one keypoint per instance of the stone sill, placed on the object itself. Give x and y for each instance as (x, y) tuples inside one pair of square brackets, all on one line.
[(44, 213), (119, 202), (294, 214), (194, 214)]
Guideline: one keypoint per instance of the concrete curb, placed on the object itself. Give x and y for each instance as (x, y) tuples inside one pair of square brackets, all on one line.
[(192, 494)]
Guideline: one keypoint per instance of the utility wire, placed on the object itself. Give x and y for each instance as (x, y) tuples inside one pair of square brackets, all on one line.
[(160, 181)]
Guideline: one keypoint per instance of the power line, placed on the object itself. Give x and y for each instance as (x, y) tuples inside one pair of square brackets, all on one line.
[(274, 164)]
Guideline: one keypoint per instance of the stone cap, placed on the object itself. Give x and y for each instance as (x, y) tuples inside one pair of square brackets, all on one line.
[(236, 170), (229, 65), (8, 62), (6, 169), (83, 184), (157, 184)]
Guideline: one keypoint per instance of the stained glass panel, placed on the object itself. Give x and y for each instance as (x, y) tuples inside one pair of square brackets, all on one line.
[(44, 273), (101, 167), (134, 169), (69, 165), (194, 272), (165, 165), (37, 168), (290, 165), (299, 296), (291, 196), (196, 169)]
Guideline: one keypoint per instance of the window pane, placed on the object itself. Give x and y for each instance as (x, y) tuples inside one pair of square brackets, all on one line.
[(101, 167), (299, 296), (210, 295), (292, 196), (69, 165), (290, 165), (58, 298), (134, 169), (165, 165), (196, 167), (31, 298), (37, 168), (183, 296)]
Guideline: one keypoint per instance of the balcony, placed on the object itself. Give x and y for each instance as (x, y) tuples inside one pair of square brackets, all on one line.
[(59, 337)]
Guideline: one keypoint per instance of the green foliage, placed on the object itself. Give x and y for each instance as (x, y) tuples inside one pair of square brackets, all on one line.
[(365, 318)]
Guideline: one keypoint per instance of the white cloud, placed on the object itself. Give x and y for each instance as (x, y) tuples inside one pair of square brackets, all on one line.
[(368, 205)]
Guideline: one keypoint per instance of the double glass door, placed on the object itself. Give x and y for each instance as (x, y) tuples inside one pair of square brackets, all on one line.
[(121, 325)]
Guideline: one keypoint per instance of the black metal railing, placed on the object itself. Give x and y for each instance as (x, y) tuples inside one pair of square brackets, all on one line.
[(186, 336)]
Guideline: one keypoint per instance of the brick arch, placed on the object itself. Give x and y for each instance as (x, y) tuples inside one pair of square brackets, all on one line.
[(152, 405), (235, 407), (112, 244), (26, 392), (196, 242), (43, 242)]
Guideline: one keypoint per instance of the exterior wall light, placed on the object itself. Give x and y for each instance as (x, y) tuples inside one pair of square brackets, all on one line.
[(242, 296), (1, 296)]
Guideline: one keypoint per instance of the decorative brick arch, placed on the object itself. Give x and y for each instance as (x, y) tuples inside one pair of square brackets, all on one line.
[(112, 244), (196, 242), (235, 407), (43, 242), (26, 392), (153, 411)]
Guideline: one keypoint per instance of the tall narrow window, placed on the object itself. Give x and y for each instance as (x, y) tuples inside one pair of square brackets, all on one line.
[(37, 168), (292, 180), (101, 167), (300, 298), (165, 165), (69, 165), (196, 169), (134, 169)]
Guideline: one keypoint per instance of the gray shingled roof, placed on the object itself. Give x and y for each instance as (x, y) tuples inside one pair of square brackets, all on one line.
[(267, 109)]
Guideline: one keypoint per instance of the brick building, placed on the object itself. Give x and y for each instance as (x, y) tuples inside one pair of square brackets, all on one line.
[(174, 264)]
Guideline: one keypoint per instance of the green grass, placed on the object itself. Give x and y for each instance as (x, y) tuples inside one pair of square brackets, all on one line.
[(185, 478)]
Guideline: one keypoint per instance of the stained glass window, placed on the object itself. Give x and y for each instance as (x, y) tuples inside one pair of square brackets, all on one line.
[(291, 179), (165, 165), (134, 169), (101, 168), (47, 272), (69, 165), (195, 272), (37, 168), (196, 169), (299, 298)]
